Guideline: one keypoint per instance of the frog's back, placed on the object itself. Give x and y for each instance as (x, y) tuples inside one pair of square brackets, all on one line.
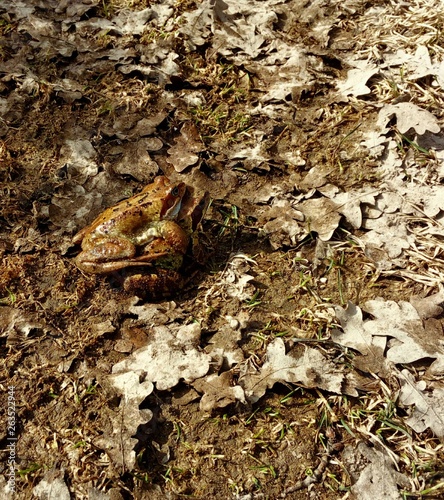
[(126, 219), (111, 220)]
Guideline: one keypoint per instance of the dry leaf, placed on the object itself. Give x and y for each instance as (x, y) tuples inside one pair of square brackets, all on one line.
[(235, 280), (349, 204), (429, 307), (388, 232), (17, 325), (184, 153), (52, 486), (397, 335), (219, 391), (373, 473), (428, 405), (117, 439), (309, 368), (408, 116), (170, 355), (137, 162), (321, 216), (415, 339), (355, 335), (356, 82), (79, 158)]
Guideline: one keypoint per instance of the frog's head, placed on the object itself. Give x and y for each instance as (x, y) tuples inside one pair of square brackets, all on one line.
[(172, 200), (192, 210)]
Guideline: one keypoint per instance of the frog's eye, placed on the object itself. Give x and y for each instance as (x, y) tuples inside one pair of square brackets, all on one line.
[(175, 191)]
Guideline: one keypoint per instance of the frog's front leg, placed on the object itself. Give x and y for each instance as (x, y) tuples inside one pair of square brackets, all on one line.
[(106, 255), (170, 238), (168, 248), (103, 255)]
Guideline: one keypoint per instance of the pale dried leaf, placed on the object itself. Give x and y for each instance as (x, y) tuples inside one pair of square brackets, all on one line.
[(71, 208), (429, 307), (79, 157), (224, 344), (428, 405), (236, 280), (373, 473), (434, 200), (283, 230), (391, 162), (18, 8), (282, 221), (411, 338), (408, 116), (375, 142), (117, 439), (219, 391), (151, 314), (132, 386), (241, 24), (187, 146), (132, 22), (52, 486), (440, 74), (356, 82), (17, 325), (103, 327), (313, 179), (397, 58), (266, 193), (389, 233), (256, 155), (196, 25), (355, 335), (349, 203), (415, 339), (309, 368), (321, 216), (170, 355), (420, 64), (416, 66), (68, 90), (30, 241), (126, 22), (137, 162)]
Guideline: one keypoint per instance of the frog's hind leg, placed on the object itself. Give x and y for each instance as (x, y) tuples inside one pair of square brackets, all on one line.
[(163, 283)]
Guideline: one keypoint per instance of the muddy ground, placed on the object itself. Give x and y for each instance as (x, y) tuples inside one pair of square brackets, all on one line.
[(248, 103)]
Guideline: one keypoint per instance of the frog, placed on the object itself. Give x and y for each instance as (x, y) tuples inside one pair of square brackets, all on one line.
[(168, 275), (114, 239)]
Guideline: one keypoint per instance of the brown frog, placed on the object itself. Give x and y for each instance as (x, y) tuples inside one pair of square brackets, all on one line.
[(111, 242), (153, 228)]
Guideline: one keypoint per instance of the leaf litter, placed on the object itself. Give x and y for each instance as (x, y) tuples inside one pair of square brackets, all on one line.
[(341, 148)]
